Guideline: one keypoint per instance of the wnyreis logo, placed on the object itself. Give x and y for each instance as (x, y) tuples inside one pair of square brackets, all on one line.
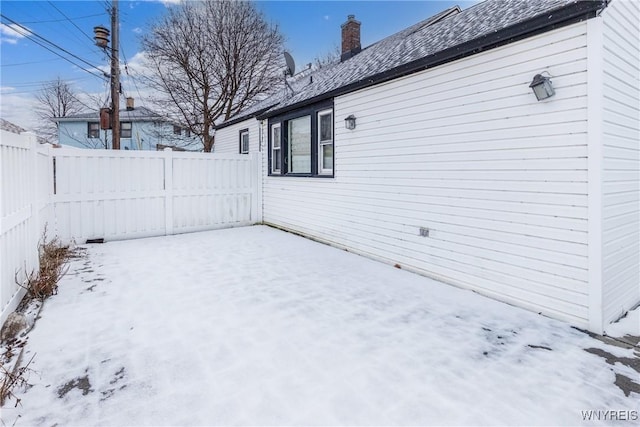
[(609, 415)]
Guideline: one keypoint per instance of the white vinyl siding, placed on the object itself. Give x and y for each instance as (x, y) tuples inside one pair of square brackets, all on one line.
[(465, 150), (226, 139), (621, 163)]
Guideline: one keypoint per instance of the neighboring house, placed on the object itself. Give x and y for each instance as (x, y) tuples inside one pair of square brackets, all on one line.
[(14, 128), (429, 150), (140, 129)]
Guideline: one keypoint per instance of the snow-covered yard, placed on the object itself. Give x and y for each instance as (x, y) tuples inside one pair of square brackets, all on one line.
[(255, 326)]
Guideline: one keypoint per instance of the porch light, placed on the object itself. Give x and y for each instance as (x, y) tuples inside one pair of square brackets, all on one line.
[(350, 122), (542, 87)]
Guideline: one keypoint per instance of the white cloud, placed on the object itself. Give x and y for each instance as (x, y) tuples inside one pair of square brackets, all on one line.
[(326, 17), (137, 30), (19, 109), (11, 33), (170, 2), (137, 63)]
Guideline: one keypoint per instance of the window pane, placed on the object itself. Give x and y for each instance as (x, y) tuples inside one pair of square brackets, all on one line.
[(275, 139), (325, 127), (244, 142), (327, 156), (94, 130), (125, 129), (300, 145), (276, 160)]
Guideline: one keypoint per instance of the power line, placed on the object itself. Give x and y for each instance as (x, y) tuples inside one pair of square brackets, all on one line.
[(72, 23), (29, 63), (28, 33), (41, 82), (126, 70), (60, 20)]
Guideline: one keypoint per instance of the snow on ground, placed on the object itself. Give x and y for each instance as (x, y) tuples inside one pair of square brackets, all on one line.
[(628, 325), (255, 326)]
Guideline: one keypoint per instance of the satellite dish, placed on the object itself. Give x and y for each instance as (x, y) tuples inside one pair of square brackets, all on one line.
[(291, 66)]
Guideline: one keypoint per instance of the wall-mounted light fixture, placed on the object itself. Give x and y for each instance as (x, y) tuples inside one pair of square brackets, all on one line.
[(350, 122), (542, 87)]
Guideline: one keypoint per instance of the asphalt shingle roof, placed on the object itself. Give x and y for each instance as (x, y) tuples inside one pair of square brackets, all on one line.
[(445, 32)]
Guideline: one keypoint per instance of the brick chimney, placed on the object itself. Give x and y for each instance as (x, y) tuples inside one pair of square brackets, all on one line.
[(350, 38), (129, 104)]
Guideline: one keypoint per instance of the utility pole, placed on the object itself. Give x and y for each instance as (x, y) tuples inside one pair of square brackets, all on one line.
[(115, 78), (111, 119)]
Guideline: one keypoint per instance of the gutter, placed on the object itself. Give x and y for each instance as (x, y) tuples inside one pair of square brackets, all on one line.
[(551, 20), (242, 118)]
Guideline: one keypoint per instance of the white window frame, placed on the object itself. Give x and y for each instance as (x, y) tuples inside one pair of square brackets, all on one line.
[(130, 130), (322, 170), (276, 152), (244, 149)]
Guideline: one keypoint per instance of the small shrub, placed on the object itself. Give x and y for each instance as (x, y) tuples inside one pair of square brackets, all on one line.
[(11, 379), (53, 266)]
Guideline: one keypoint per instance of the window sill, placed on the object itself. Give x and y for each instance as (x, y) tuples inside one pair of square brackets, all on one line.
[(301, 175)]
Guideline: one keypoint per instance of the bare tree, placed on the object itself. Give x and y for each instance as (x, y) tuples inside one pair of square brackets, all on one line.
[(211, 59), (330, 57), (55, 99), (89, 104)]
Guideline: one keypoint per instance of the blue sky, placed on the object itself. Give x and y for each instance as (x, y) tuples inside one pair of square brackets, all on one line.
[(311, 29)]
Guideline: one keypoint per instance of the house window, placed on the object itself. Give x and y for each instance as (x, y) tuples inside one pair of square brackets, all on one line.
[(325, 142), (177, 130), (299, 147), (276, 158), (125, 129), (244, 141), (93, 130), (301, 143)]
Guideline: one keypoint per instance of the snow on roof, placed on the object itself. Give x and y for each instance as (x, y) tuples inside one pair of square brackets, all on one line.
[(398, 53), (11, 127), (138, 113)]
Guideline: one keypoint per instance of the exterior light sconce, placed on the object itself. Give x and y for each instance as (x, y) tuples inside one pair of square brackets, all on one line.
[(542, 87), (350, 122)]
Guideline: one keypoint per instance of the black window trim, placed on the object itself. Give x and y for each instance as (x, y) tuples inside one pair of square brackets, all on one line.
[(89, 135), (312, 111), (240, 133), (130, 130)]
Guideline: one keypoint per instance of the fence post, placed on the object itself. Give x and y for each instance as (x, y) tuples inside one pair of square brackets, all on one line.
[(256, 188), (168, 191), (50, 174), (32, 140)]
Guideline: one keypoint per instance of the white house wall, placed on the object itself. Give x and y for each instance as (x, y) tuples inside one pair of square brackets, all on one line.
[(465, 150), (621, 152), (228, 139)]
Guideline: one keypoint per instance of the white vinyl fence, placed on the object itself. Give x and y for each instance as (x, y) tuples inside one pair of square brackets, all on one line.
[(26, 187), (113, 195)]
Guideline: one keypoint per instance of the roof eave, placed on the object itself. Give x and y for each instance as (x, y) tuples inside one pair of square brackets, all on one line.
[(570, 14), (242, 118)]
